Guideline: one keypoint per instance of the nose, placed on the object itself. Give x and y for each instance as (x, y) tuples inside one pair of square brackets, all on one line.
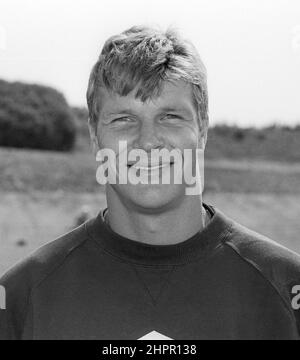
[(148, 137)]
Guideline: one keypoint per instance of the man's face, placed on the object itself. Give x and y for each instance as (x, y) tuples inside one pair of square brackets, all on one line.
[(167, 122)]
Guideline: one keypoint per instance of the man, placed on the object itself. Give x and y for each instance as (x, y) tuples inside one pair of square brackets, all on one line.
[(157, 263)]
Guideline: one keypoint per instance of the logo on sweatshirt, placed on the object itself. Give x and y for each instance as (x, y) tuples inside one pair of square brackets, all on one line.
[(2, 298), (296, 298), (154, 335)]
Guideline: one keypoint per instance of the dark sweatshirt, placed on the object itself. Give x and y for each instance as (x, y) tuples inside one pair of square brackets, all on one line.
[(225, 282)]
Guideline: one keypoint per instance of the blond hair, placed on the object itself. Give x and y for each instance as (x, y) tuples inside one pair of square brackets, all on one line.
[(143, 58)]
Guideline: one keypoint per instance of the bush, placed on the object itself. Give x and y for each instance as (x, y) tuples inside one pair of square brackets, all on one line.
[(239, 134), (81, 118), (260, 135), (222, 130), (35, 116)]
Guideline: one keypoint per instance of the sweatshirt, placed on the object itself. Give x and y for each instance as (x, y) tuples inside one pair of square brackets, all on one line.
[(224, 282)]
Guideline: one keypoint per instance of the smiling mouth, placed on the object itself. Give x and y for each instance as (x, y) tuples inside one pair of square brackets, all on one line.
[(150, 168)]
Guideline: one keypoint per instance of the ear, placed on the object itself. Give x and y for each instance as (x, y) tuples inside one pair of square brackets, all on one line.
[(93, 136), (202, 139)]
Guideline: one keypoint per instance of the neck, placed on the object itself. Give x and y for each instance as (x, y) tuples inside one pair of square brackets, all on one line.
[(156, 227)]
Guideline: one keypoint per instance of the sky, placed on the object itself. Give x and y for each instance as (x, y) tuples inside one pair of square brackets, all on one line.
[(251, 48)]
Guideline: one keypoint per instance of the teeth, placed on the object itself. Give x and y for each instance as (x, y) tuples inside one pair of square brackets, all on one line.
[(150, 168)]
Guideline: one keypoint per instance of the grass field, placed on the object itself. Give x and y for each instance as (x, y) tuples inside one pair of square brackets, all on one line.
[(29, 170), (41, 217), (42, 193)]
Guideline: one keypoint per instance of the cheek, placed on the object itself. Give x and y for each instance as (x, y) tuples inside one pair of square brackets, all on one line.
[(187, 139), (182, 138), (109, 138)]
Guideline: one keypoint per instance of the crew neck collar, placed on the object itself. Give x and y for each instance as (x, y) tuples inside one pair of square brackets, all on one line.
[(198, 246)]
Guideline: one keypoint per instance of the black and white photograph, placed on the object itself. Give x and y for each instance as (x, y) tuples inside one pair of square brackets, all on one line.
[(149, 172)]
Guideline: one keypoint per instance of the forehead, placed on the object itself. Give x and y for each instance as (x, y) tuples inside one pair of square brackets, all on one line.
[(177, 95)]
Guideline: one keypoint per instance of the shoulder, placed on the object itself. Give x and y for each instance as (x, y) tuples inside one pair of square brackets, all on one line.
[(278, 265), (19, 281), (45, 259), (272, 259)]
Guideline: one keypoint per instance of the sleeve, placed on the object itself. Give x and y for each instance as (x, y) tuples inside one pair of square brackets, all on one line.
[(277, 264), (14, 302)]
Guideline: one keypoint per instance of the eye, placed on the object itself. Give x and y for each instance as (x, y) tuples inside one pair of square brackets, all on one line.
[(121, 120), (171, 117)]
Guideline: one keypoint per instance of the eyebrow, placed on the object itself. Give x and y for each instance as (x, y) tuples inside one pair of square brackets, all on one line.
[(119, 111), (161, 110), (174, 108), (184, 111)]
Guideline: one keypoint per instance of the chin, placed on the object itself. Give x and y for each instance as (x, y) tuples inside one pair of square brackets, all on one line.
[(150, 197)]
